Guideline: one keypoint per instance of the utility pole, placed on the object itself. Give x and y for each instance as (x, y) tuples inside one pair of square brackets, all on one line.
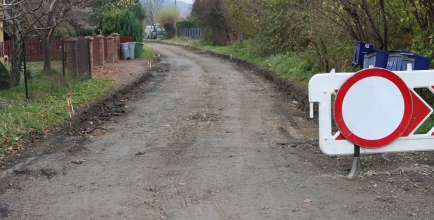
[(176, 33)]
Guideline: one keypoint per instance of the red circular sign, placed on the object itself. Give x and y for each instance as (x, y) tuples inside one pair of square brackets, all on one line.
[(365, 112)]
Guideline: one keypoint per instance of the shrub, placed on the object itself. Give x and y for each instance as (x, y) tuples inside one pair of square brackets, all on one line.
[(128, 25), (167, 18)]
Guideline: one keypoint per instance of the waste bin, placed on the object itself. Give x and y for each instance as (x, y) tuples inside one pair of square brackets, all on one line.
[(125, 51), (359, 50), (375, 58), (131, 46), (399, 59), (138, 50), (417, 62)]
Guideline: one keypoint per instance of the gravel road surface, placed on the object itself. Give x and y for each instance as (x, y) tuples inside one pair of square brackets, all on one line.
[(207, 139)]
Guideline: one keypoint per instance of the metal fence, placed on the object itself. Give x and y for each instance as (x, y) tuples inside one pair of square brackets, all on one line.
[(34, 49), (73, 57), (58, 51), (85, 55), (191, 32)]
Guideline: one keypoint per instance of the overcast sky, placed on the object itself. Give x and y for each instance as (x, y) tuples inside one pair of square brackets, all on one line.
[(188, 1)]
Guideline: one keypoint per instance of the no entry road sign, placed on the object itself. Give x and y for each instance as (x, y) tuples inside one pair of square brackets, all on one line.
[(374, 108)]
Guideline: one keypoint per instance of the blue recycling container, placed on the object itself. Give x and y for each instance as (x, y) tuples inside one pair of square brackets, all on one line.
[(399, 59), (359, 51), (418, 62), (375, 58)]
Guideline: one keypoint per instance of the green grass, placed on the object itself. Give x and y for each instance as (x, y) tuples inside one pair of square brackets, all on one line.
[(46, 106), (148, 53)]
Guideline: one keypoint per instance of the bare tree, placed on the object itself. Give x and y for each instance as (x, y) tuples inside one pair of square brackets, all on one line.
[(13, 12), (151, 7), (50, 15), (216, 18), (23, 17)]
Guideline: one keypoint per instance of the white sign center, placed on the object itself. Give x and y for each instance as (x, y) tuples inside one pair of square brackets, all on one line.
[(373, 108)]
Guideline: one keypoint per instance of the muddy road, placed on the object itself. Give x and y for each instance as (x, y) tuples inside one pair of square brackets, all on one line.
[(207, 139)]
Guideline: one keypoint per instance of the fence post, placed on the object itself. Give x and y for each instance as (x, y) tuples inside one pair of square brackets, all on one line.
[(63, 59), (90, 51), (110, 49), (116, 45), (100, 40), (25, 70), (90, 55), (71, 56)]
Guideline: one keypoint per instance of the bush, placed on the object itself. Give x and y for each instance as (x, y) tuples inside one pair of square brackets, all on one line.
[(5, 77), (167, 18), (128, 25)]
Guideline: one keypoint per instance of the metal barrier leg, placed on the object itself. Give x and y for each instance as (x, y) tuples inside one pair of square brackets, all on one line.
[(357, 165)]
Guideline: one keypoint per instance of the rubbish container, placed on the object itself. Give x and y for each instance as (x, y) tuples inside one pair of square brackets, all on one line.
[(375, 58), (131, 49), (125, 51), (138, 50), (359, 50), (417, 62), (399, 59)]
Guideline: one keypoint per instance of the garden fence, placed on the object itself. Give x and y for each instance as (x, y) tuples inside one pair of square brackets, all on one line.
[(191, 32), (73, 56)]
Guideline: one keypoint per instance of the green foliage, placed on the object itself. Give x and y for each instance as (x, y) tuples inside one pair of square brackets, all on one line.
[(4, 77), (103, 7), (187, 24), (109, 21), (423, 44), (128, 25)]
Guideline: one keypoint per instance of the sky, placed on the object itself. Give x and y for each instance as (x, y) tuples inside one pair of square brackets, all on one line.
[(188, 1)]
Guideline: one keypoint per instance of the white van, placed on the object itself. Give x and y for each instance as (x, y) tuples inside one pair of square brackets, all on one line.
[(148, 31)]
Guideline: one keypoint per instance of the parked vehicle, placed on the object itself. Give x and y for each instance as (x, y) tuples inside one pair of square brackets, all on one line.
[(154, 31), (147, 32)]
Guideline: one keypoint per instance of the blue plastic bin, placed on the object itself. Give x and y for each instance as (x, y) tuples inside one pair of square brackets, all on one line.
[(418, 62), (375, 58), (399, 59), (359, 51)]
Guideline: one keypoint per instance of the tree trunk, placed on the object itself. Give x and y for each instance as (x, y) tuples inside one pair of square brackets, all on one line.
[(16, 60), (46, 53)]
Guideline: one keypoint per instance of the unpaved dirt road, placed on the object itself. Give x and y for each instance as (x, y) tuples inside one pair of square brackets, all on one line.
[(207, 140)]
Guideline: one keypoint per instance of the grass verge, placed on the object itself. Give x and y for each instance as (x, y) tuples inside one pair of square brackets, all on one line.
[(148, 53), (46, 106)]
